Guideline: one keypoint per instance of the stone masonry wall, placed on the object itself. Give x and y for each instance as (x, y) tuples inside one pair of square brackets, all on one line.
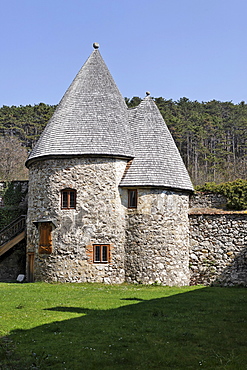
[(98, 218), (218, 249), (210, 200), (157, 244), (154, 243)]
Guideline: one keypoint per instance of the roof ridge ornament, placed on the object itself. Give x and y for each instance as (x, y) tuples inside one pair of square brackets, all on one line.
[(147, 93), (95, 45)]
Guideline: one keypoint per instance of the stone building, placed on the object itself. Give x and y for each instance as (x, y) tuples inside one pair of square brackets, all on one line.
[(108, 190)]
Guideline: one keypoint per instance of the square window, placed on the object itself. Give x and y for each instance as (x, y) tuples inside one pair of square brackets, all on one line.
[(101, 253), (68, 199), (132, 198)]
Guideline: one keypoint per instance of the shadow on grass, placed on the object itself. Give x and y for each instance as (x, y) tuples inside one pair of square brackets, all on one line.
[(204, 328), (133, 299), (69, 309)]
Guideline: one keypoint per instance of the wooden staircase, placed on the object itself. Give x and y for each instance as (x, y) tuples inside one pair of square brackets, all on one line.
[(12, 234)]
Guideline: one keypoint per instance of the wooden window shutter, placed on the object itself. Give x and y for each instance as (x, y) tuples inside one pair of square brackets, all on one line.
[(45, 239)]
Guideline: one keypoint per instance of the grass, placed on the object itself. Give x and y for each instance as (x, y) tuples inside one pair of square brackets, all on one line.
[(94, 326)]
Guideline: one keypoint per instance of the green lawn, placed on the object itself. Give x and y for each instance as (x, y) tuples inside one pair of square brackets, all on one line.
[(94, 326)]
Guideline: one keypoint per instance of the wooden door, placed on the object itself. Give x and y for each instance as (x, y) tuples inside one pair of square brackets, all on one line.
[(30, 267)]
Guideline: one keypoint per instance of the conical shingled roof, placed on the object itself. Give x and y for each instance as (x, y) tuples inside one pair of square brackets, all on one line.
[(91, 118), (157, 160)]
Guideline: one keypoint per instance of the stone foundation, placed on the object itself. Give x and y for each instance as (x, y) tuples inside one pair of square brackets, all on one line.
[(157, 243), (147, 245), (98, 218)]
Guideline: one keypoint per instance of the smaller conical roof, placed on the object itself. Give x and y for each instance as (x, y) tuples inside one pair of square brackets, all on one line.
[(157, 160), (91, 118)]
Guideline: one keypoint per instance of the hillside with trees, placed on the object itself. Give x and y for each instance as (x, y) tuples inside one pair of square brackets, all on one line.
[(211, 136), (20, 128)]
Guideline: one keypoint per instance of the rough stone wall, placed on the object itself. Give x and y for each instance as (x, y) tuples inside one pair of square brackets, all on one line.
[(202, 200), (150, 244), (218, 249), (98, 218), (157, 244)]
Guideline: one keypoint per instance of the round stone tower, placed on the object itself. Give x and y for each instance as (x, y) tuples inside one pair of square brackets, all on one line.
[(108, 190), (157, 229), (76, 223)]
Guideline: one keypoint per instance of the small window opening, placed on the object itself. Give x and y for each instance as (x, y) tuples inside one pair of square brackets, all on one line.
[(68, 199), (101, 253), (132, 198)]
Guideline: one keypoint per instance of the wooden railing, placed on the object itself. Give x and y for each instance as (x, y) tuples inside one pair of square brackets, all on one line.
[(12, 229)]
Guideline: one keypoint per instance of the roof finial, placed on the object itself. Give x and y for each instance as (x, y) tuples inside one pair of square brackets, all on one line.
[(147, 93), (95, 45)]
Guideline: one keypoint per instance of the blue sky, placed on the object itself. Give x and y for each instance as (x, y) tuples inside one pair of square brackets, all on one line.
[(172, 48)]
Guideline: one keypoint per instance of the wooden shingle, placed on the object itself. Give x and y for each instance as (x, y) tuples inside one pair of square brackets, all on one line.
[(91, 118), (157, 161)]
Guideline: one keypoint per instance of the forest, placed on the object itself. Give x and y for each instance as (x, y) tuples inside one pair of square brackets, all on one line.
[(211, 136)]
